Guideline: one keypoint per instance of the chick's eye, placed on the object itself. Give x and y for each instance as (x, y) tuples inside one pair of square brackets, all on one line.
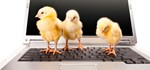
[(42, 12), (106, 27), (74, 17)]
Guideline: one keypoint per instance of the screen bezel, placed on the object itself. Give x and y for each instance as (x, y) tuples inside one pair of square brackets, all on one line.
[(132, 38)]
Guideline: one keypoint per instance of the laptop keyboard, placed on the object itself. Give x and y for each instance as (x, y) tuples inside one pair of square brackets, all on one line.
[(125, 55)]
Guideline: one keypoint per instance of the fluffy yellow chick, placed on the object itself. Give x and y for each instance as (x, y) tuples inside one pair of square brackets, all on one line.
[(49, 27), (72, 28), (110, 32)]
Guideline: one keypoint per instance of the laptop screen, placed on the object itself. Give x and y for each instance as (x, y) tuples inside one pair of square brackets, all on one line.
[(89, 10)]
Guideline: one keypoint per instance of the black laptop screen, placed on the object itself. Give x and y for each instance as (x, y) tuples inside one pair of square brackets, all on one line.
[(89, 10)]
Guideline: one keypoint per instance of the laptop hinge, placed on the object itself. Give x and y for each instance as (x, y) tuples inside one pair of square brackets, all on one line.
[(127, 42), (36, 40), (26, 42)]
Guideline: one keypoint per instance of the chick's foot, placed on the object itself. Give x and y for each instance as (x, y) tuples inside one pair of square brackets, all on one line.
[(66, 48), (80, 47), (56, 51), (47, 50), (107, 50), (113, 52)]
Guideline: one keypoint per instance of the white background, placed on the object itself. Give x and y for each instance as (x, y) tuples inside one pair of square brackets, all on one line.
[(12, 14)]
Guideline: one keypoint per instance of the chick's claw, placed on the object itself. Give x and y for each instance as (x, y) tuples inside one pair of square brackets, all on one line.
[(46, 50), (107, 50), (113, 52), (66, 48), (80, 47), (56, 51)]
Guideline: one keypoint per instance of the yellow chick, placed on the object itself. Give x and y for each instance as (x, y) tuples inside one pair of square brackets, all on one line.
[(49, 27), (72, 28), (110, 32)]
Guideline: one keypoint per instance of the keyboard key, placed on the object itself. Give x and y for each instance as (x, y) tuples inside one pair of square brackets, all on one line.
[(25, 59), (128, 61)]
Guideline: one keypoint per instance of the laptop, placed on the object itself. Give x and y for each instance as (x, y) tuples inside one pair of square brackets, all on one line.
[(91, 57)]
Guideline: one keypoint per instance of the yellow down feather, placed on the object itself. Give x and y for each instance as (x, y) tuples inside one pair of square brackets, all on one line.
[(49, 25), (109, 31)]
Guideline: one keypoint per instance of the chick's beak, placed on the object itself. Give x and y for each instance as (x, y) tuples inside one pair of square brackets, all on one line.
[(102, 31), (37, 16)]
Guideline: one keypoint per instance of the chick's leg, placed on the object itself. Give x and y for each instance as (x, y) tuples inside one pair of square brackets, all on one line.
[(108, 49), (47, 50), (80, 45), (113, 52), (55, 50), (66, 48)]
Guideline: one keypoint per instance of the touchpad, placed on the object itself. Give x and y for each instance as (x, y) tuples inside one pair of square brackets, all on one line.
[(78, 67)]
